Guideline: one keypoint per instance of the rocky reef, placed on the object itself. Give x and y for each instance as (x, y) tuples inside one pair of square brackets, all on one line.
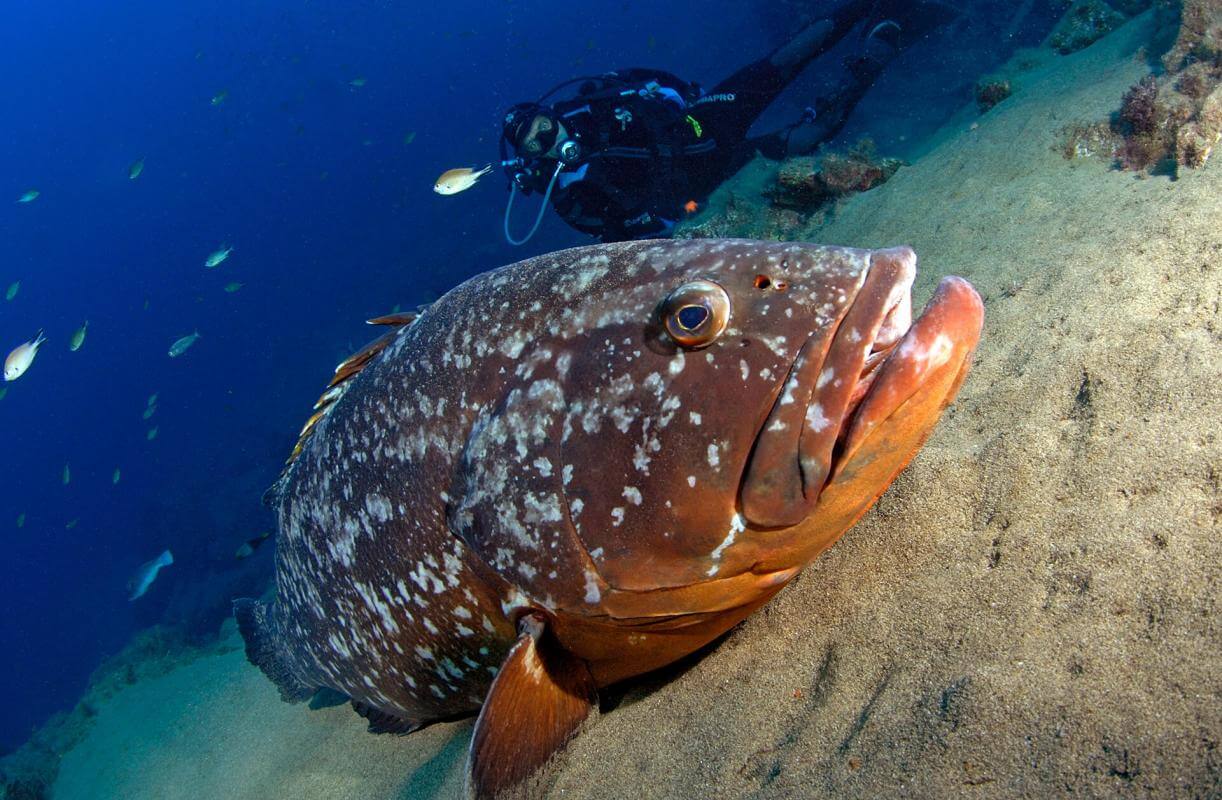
[(1086, 22), (797, 190), (1170, 119), (990, 91)]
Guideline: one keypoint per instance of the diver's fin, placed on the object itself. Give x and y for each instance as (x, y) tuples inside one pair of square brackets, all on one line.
[(540, 699), (381, 722), (262, 649)]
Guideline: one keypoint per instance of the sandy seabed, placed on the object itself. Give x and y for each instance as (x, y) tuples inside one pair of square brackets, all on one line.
[(1030, 611)]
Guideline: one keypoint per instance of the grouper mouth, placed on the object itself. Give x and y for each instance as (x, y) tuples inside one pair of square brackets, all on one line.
[(842, 387)]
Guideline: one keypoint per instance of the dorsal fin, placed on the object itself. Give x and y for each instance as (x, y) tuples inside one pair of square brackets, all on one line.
[(344, 372), (397, 319), (357, 361)]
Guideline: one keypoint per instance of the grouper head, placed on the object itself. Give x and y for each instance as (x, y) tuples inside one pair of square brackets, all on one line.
[(691, 423)]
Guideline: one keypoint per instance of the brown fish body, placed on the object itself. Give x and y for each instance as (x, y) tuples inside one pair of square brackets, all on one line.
[(549, 467)]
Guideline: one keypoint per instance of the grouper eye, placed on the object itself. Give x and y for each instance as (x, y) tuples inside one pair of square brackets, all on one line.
[(696, 313)]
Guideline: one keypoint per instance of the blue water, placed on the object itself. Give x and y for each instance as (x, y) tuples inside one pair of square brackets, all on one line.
[(333, 220)]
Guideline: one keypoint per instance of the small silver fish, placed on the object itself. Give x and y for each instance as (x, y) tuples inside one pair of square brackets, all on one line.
[(183, 344), (453, 181), (135, 169), (216, 257), (144, 577), (22, 357), (78, 338), (29, 197)]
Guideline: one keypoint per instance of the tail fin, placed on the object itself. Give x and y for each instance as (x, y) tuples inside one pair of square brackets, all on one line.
[(40, 337), (263, 649)]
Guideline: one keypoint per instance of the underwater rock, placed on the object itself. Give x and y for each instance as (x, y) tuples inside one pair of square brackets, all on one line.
[(1199, 39), (1088, 140), (1086, 22), (1176, 118), (1195, 141), (1170, 120), (991, 91), (797, 184), (806, 183)]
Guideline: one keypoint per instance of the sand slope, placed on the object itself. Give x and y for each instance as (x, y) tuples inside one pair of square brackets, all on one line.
[(216, 729), (1029, 612)]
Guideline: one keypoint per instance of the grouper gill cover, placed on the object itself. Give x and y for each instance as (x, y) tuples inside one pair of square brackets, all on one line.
[(581, 467)]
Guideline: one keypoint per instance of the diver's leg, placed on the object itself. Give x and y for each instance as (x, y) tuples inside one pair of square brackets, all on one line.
[(833, 110), (817, 38), (756, 85)]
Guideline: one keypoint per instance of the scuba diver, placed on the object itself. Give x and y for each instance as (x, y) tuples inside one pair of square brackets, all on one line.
[(635, 149)]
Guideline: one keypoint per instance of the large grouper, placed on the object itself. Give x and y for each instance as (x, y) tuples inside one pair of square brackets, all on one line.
[(581, 467)]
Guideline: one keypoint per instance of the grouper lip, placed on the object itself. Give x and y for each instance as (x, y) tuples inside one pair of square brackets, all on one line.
[(796, 448)]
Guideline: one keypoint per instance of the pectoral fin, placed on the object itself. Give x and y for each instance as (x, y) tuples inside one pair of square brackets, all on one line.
[(540, 699)]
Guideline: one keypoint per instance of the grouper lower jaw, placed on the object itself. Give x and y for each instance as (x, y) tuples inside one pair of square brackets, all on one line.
[(908, 392), (795, 450)]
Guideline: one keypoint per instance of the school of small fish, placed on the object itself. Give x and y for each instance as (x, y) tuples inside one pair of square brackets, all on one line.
[(21, 358)]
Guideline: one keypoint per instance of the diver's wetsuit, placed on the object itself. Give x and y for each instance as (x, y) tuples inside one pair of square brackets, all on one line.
[(649, 152)]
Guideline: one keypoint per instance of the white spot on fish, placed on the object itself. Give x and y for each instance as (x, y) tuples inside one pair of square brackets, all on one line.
[(714, 455), (593, 595), (815, 418), (824, 376), (633, 495), (694, 417), (617, 516), (737, 526)]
